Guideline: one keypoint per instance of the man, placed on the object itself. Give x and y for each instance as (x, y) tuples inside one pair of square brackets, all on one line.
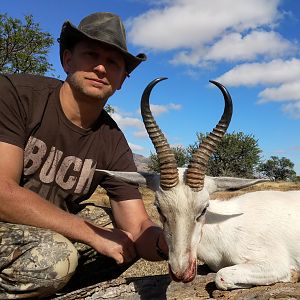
[(53, 135)]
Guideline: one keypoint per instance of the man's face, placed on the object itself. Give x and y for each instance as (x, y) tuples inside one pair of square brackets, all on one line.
[(94, 70)]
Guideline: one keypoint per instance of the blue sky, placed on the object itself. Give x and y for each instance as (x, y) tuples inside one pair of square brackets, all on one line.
[(250, 46)]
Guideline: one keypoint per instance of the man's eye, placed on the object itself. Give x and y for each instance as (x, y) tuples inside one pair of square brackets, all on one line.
[(91, 54), (114, 63)]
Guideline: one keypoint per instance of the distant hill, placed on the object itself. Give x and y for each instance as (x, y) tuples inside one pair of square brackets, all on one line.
[(141, 162)]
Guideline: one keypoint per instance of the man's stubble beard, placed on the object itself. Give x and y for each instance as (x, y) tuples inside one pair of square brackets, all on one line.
[(87, 92)]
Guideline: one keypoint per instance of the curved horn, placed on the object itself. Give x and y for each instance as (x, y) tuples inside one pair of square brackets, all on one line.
[(199, 161), (168, 165)]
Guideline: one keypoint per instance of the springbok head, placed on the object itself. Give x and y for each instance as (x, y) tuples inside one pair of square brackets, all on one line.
[(182, 194), (181, 199)]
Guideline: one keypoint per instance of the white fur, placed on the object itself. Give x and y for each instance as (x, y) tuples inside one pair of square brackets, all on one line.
[(253, 239)]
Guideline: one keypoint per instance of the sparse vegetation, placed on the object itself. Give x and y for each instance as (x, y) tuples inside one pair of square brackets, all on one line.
[(277, 168), (24, 46), (237, 155)]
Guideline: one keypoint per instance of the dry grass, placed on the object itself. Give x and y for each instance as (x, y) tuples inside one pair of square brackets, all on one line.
[(143, 267), (275, 186)]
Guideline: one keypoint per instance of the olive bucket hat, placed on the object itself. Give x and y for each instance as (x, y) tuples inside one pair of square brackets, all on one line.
[(104, 27)]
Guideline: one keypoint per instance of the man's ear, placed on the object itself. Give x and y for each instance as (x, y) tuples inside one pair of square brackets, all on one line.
[(218, 184), (124, 75), (67, 55)]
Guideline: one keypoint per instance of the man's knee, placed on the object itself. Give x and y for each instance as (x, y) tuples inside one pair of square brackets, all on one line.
[(41, 252), (57, 255), (40, 262)]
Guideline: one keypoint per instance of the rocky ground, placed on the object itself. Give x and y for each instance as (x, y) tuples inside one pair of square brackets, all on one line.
[(160, 287)]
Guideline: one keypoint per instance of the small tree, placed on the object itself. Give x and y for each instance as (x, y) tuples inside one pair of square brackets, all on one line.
[(237, 155), (23, 47), (277, 168), (180, 156), (109, 109)]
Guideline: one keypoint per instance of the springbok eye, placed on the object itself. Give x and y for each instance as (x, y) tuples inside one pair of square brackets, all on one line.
[(163, 219), (198, 218)]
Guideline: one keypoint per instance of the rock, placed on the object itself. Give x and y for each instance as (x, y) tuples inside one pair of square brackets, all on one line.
[(161, 287)]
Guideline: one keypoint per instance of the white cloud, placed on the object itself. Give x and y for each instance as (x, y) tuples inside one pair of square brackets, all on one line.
[(285, 92), (292, 110), (203, 34), (136, 148), (282, 77), (160, 109), (198, 32), (141, 134), (235, 46), (194, 23), (275, 72), (156, 110), (125, 122)]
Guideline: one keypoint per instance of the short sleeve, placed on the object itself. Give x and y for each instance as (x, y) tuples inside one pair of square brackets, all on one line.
[(12, 114), (121, 160)]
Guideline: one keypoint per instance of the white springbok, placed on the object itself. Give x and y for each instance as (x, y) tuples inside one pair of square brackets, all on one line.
[(252, 239)]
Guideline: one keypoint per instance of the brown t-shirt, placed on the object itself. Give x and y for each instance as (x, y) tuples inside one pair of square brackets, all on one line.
[(60, 158)]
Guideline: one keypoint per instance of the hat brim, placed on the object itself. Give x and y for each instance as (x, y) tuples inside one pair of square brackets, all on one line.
[(72, 32)]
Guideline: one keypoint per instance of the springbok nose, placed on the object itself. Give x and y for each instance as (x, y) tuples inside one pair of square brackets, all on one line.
[(184, 276)]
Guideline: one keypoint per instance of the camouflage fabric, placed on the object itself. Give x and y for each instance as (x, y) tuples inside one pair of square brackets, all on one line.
[(36, 262)]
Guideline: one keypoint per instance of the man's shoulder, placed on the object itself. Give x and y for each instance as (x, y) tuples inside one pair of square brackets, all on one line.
[(107, 119), (35, 82)]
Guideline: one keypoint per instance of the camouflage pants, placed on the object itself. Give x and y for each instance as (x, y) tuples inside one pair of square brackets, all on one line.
[(36, 262)]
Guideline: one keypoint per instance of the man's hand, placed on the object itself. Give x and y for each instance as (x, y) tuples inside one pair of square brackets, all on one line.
[(115, 243), (131, 216)]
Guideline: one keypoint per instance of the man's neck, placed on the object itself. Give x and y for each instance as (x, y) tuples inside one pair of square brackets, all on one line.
[(81, 111)]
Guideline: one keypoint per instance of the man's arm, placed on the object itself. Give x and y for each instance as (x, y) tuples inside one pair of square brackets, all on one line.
[(22, 206), (131, 216)]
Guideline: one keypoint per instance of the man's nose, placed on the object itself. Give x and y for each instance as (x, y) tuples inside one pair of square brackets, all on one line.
[(100, 67)]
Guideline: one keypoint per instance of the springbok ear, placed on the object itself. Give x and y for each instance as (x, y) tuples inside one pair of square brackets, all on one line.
[(216, 184), (150, 180)]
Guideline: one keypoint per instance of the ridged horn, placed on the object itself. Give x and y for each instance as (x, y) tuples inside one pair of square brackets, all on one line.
[(168, 165), (198, 164)]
